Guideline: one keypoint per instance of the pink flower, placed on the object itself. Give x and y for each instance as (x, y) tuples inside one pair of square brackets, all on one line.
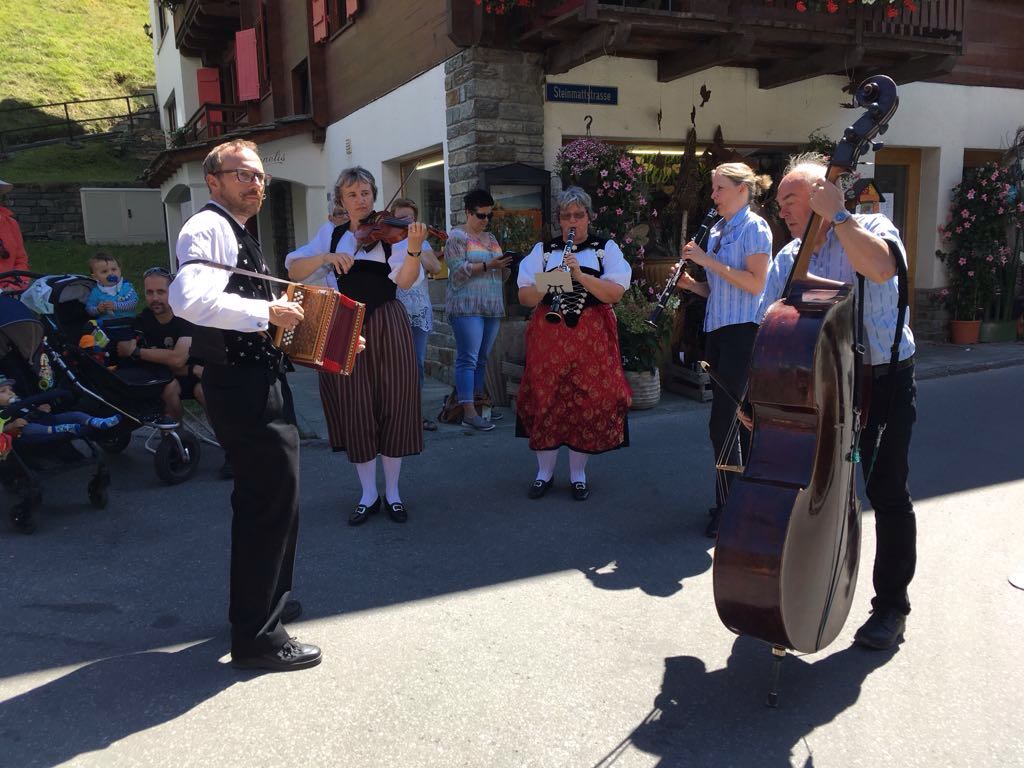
[(959, 230), (1000, 211), (605, 184), (616, 184), (618, 211), (629, 187), (994, 176), (967, 225), (970, 273), (964, 212), (603, 173), (985, 198), (970, 194), (989, 258), (962, 261)]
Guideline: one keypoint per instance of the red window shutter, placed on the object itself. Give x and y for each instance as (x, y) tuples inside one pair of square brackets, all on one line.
[(319, 20), (208, 90), (351, 8), (247, 65)]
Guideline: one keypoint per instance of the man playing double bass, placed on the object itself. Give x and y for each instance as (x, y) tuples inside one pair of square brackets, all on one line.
[(849, 246)]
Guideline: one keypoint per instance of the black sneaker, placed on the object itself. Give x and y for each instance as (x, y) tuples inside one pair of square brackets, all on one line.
[(291, 656), (883, 629)]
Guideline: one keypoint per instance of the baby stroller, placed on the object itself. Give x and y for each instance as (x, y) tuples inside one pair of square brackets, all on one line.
[(21, 344), (105, 389)]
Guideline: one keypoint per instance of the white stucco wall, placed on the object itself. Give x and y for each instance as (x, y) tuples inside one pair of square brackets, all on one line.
[(943, 120), (404, 123), (174, 73)]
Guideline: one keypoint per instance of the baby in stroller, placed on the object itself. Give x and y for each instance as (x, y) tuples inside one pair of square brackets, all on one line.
[(38, 424)]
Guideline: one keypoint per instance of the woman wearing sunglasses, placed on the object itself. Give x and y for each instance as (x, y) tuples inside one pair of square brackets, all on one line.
[(573, 392), (474, 305)]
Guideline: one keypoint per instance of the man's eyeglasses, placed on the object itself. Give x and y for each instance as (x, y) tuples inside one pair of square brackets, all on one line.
[(246, 176), (156, 271), (484, 216)]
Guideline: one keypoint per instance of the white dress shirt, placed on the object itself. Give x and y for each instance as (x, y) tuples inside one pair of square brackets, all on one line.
[(197, 291)]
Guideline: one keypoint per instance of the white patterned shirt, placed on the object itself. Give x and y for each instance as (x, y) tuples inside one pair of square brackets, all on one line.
[(732, 243), (881, 300)]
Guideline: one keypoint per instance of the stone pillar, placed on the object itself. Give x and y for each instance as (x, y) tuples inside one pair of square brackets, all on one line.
[(495, 116)]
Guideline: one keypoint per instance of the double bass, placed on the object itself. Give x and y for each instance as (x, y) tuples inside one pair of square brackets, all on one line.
[(789, 540)]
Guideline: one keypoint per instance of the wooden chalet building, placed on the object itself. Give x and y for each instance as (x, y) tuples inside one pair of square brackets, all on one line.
[(469, 98)]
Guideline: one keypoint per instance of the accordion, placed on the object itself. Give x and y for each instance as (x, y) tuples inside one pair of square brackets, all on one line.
[(328, 335)]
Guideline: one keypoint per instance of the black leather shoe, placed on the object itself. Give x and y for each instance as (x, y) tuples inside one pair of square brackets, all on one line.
[(883, 629), (539, 488), (580, 492), (291, 656), (396, 511), (363, 512), (291, 611), (711, 531)]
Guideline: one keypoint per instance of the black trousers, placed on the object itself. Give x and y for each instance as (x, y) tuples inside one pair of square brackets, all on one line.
[(727, 351), (249, 409), (885, 476)]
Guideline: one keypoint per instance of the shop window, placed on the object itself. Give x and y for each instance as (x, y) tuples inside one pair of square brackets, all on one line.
[(423, 183)]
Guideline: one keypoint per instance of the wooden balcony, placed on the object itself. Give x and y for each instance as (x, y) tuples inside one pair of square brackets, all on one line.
[(784, 44), (205, 26), (211, 121)]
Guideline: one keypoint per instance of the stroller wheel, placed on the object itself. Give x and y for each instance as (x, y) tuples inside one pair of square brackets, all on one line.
[(173, 464), (114, 443), (21, 517), (98, 493)]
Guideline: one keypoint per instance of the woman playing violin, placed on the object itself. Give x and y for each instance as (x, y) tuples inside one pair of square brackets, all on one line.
[(376, 410)]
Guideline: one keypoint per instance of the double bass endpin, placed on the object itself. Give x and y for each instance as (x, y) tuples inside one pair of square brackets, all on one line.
[(778, 654)]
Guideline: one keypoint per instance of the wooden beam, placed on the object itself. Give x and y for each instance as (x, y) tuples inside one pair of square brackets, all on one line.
[(921, 68), (600, 41), (822, 62), (686, 61)]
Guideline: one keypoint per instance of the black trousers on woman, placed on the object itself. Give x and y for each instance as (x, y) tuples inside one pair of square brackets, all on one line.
[(250, 411), (727, 350)]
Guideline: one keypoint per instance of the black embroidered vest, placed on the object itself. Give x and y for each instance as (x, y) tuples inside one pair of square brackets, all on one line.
[(367, 281), (555, 249), (238, 348)]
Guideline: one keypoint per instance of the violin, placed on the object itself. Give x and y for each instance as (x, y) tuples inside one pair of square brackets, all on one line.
[(381, 227)]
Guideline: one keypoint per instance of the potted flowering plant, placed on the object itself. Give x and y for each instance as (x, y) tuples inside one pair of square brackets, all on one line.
[(641, 345), (892, 7), (980, 266)]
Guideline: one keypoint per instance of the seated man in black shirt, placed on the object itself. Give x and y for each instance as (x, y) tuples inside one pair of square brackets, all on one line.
[(164, 339)]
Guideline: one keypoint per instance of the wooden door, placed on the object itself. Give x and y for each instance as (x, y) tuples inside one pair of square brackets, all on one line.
[(898, 177)]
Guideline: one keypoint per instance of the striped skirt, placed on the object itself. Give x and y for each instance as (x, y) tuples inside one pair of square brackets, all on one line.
[(376, 410)]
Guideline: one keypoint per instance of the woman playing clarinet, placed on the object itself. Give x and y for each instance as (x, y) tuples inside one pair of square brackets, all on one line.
[(574, 392), (376, 410), (736, 263)]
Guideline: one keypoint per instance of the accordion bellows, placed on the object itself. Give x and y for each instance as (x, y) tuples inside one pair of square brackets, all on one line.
[(328, 335)]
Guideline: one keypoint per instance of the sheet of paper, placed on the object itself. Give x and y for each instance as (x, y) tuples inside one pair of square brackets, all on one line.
[(556, 278)]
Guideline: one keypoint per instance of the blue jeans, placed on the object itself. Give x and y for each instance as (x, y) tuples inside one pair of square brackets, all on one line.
[(419, 343), (474, 337)]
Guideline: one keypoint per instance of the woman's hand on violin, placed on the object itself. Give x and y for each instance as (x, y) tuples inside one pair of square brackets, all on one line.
[(417, 234), (342, 262), (696, 254)]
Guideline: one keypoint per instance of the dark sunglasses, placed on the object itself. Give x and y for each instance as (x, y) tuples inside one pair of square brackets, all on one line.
[(484, 216)]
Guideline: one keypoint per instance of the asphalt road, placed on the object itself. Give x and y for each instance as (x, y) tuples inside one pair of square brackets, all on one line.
[(493, 630)]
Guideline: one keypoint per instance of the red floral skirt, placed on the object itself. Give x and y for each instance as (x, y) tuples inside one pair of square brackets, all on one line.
[(574, 392)]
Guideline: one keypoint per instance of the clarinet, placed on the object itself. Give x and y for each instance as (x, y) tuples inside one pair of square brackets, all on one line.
[(554, 314), (670, 288)]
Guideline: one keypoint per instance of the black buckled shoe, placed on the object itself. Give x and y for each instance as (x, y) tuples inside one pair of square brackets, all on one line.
[(291, 611), (883, 629), (539, 488), (580, 492), (363, 511), (291, 656), (397, 512)]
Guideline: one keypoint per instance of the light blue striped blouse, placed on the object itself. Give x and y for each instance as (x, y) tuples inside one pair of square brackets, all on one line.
[(732, 243), (880, 299)]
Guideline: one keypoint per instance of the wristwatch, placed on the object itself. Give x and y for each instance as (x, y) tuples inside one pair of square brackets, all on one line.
[(137, 353), (841, 216)]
